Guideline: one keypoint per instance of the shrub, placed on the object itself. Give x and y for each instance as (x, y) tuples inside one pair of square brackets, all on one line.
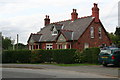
[(64, 56), (89, 55), (58, 56), (16, 56)]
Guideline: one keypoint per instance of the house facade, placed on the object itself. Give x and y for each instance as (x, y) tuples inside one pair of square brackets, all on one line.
[(75, 33)]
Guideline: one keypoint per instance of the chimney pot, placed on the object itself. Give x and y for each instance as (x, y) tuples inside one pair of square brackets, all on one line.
[(48, 17), (74, 15), (75, 10), (46, 20)]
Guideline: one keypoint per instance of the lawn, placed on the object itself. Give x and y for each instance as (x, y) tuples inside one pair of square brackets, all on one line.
[(70, 64)]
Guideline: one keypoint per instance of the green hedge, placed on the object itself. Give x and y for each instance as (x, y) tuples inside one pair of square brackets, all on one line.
[(65, 56), (89, 55), (58, 56), (17, 56), (39, 56)]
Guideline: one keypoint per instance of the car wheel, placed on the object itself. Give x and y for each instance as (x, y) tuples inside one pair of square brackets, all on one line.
[(104, 64)]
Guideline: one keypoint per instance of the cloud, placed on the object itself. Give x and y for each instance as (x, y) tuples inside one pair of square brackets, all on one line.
[(27, 16)]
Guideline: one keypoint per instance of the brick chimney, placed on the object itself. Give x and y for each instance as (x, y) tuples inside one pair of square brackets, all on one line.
[(74, 15), (46, 20), (95, 12)]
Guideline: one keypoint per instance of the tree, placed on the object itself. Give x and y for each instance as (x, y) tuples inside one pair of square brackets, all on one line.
[(115, 37), (6, 43), (20, 46), (117, 32)]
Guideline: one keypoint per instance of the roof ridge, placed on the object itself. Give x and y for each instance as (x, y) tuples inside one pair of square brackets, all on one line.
[(60, 21), (70, 19), (66, 30), (57, 23), (84, 17), (36, 34)]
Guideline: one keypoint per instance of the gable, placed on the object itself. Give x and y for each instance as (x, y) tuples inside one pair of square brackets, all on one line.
[(87, 33), (61, 38), (31, 40)]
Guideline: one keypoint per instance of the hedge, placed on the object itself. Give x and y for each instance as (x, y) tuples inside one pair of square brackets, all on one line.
[(65, 56), (39, 56), (58, 56), (89, 55), (17, 56)]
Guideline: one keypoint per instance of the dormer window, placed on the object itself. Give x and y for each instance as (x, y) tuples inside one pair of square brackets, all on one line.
[(54, 31), (92, 32)]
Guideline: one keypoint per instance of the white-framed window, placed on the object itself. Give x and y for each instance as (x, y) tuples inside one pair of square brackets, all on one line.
[(64, 46), (100, 32), (86, 45), (54, 32), (92, 32), (49, 46), (61, 46)]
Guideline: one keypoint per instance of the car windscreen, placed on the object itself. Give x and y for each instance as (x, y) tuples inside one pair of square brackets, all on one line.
[(105, 52), (117, 52)]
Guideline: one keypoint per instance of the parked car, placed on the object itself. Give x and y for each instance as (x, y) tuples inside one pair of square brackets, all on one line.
[(109, 56)]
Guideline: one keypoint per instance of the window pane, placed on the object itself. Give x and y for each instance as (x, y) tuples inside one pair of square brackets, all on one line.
[(92, 32)]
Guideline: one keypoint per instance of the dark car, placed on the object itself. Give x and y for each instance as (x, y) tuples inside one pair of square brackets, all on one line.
[(109, 56)]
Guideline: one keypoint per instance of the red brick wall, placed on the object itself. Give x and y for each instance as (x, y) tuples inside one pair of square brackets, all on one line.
[(43, 45), (95, 42), (54, 46)]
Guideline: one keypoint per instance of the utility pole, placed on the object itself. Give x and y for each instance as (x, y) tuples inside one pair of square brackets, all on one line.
[(17, 41), (13, 41)]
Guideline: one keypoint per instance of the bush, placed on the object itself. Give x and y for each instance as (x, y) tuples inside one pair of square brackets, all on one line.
[(58, 56), (65, 56), (17, 56), (40, 56), (89, 55)]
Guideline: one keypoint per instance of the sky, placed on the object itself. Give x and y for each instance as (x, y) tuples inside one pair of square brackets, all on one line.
[(24, 17)]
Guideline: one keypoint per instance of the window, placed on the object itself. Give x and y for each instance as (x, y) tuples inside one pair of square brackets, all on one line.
[(61, 46), (36, 46), (54, 31), (86, 45), (69, 46), (49, 46), (100, 32), (92, 32)]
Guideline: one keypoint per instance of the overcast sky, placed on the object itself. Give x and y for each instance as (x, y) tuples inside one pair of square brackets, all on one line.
[(24, 17)]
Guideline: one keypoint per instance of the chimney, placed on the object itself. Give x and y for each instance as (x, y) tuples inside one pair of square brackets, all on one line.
[(95, 12), (74, 15), (46, 20)]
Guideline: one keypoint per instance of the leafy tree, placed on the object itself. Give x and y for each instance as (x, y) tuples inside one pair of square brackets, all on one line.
[(6, 43), (20, 46), (117, 32), (115, 37)]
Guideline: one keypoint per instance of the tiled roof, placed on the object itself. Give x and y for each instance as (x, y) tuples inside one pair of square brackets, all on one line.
[(35, 37), (77, 27)]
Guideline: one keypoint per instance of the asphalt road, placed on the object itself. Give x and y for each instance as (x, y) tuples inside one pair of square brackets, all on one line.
[(52, 71), (47, 73)]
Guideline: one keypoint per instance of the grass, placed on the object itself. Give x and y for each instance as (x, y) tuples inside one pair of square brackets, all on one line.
[(70, 64), (81, 64)]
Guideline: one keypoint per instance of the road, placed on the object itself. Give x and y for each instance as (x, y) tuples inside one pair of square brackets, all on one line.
[(52, 71)]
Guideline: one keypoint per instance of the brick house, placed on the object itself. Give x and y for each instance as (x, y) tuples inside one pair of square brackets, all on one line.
[(76, 33)]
